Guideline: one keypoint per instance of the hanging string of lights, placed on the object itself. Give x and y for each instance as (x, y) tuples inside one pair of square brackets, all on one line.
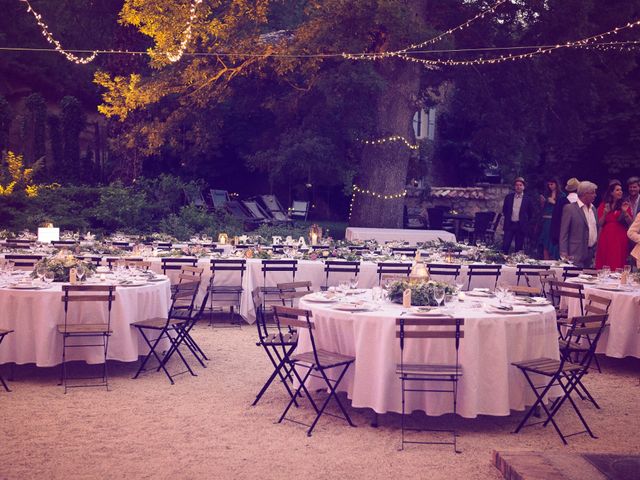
[(173, 57), (382, 196), (393, 138)]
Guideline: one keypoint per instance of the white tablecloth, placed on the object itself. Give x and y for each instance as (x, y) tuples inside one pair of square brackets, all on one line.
[(397, 234), (622, 338), (489, 386), (34, 315)]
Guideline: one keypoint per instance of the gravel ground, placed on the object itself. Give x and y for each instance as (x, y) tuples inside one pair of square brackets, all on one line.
[(204, 426)]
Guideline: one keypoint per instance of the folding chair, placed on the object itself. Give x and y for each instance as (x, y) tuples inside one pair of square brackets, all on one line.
[(96, 260), (277, 346), (560, 292), (544, 278), (358, 249), (4, 333), (24, 262), (271, 294), (393, 268), (20, 243), (113, 261), (64, 243), (422, 328), (219, 198), (299, 210), (180, 312), (138, 264), (122, 245), (292, 291), (560, 372), (188, 274), (75, 329), (570, 271), (483, 271), (524, 270), (228, 295), (274, 208), (341, 267), (256, 211), (490, 234), (444, 269), (521, 290), (176, 263), (317, 363), (408, 251)]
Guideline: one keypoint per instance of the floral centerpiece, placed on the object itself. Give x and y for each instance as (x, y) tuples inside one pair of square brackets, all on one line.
[(488, 256), (61, 265), (197, 251), (422, 292), (519, 258)]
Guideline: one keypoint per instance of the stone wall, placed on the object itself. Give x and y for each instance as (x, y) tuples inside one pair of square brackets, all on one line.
[(468, 200)]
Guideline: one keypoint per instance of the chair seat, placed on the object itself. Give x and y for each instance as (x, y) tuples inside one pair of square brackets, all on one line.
[(85, 328), (226, 289), (546, 366), (326, 359), (157, 323), (284, 339), (5, 332), (426, 370), (573, 346)]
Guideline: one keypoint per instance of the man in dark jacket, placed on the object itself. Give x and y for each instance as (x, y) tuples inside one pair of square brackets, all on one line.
[(517, 210)]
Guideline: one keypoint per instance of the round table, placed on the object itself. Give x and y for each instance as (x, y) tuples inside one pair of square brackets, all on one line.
[(34, 314), (490, 384)]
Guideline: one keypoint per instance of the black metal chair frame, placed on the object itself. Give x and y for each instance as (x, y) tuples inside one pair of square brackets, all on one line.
[(277, 346), (524, 270), (275, 266), (4, 333), (176, 263), (112, 260), (564, 374), (312, 362), (448, 269), (429, 372), (179, 314), (96, 260), (68, 330), (19, 260), (408, 251), (557, 290), (228, 293), (483, 271), (339, 266), (393, 268)]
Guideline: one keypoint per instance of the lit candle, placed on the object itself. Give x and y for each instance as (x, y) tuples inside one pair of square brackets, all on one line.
[(314, 238), (222, 238)]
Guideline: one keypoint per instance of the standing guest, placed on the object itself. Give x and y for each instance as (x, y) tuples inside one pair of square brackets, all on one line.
[(554, 196), (572, 187), (633, 189), (579, 227), (614, 216), (517, 210), (634, 235)]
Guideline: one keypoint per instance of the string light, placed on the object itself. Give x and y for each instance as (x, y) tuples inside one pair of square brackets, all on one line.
[(186, 38), (382, 196), (393, 138), (58, 47)]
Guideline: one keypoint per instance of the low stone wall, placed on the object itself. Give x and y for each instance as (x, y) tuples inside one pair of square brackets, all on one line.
[(468, 200)]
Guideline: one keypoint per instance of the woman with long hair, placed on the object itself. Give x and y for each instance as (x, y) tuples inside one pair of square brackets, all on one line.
[(614, 217), (548, 202)]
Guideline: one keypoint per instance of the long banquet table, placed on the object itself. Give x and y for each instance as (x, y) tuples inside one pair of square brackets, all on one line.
[(34, 315), (398, 234), (489, 385)]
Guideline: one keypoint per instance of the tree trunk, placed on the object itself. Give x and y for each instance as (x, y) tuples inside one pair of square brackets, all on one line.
[(383, 167)]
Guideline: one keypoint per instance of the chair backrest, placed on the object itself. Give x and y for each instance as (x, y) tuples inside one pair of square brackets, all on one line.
[(96, 260), (340, 266), (496, 221), (219, 198), (189, 274), (597, 305), (559, 290), (291, 291), (299, 210), (176, 263), (111, 261), (482, 222), (543, 276), (228, 265), (88, 293), (183, 300), (293, 318), (525, 291), (236, 209), (409, 251), (279, 266), (23, 261), (525, 270), (139, 264), (589, 326), (274, 207), (255, 210), (570, 271), (483, 271), (64, 243), (429, 327), (122, 245), (444, 269), (194, 196), (396, 269)]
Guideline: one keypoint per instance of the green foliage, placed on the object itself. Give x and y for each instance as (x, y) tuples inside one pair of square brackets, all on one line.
[(73, 122), (282, 230), (121, 208), (422, 292), (5, 123), (36, 121), (193, 220)]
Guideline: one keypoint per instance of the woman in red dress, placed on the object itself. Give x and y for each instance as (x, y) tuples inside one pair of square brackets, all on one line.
[(614, 217)]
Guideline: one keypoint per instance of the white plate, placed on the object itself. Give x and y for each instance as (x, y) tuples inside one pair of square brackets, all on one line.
[(479, 293), (611, 288), (582, 280), (425, 311), (531, 301), (354, 291), (352, 307), (132, 284), (27, 286), (320, 298)]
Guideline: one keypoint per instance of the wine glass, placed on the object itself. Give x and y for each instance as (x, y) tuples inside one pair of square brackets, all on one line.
[(40, 272), (80, 271), (606, 271), (353, 283), (438, 295)]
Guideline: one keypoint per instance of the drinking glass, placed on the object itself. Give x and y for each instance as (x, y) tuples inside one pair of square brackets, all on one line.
[(438, 295), (80, 271), (376, 294), (353, 283), (627, 269), (40, 272), (606, 271)]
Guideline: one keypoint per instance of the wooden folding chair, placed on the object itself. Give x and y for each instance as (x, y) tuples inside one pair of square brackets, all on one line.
[(277, 346), (228, 294), (396, 269), (270, 293), (564, 374), (529, 271), (4, 333), (483, 271), (408, 251), (73, 330), (563, 291), (317, 362), (521, 290), (176, 263), (290, 292), (444, 270), (433, 327)]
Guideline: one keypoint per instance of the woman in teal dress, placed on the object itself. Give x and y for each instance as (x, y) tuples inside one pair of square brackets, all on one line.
[(551, 250)]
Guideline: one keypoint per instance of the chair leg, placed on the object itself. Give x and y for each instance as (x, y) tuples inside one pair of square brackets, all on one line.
[(152, 351), (300, 387), (278, 366), (332, 393), (455, 417), (4, 384)]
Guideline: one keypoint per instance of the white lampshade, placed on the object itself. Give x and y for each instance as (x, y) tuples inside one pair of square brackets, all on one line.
[(47, 235)]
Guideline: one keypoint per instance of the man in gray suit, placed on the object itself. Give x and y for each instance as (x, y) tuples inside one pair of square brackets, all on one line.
[(579, 227)]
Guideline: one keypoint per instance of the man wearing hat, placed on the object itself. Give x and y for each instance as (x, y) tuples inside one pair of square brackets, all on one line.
[(517, 210), (556, 217)]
